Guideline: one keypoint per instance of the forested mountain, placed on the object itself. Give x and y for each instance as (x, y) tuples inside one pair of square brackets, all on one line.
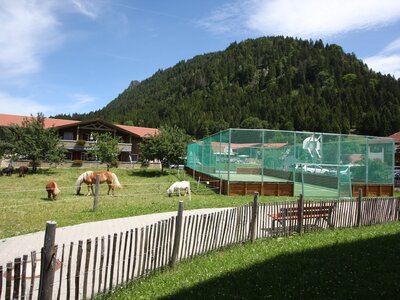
[(271, 82)]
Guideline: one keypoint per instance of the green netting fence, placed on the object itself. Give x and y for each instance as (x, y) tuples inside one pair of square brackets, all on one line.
[(319, 164)]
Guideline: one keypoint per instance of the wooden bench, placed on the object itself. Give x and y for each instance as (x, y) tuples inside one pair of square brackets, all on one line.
[(317, 212)]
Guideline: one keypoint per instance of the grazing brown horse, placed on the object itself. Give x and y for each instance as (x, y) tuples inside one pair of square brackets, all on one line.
[(89, 178), (23, 170), (8, 171), (52, 189)]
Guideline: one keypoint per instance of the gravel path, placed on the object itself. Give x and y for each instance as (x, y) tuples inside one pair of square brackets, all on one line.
[(17, 246)]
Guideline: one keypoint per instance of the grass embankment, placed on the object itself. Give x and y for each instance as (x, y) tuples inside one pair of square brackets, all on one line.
[(333, 264), (24, 206)]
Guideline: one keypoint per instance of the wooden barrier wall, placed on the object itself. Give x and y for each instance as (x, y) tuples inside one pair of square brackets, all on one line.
[(236, 188), (284, 188), (373, 190)]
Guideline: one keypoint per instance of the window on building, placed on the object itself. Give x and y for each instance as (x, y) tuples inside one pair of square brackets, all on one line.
[(68, 155), (88, 156), (69, 136)]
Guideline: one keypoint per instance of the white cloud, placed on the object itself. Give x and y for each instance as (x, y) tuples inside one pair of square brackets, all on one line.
[(389, 64), (86, 7), (80, 99), (28, 30), (393, 46), (387, 61), (303, 18), (227, 18), (78, 102), (20, 105)]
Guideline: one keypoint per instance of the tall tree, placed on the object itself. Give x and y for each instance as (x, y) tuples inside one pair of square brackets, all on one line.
[(168, 146), (106, 149), (32, 141)]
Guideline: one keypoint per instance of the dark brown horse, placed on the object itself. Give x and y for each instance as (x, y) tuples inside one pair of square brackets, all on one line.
[(8, 171), (23, 170), (89, 178), (52, 189)]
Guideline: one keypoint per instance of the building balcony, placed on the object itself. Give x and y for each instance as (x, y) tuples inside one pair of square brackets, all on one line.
[(82, 145)]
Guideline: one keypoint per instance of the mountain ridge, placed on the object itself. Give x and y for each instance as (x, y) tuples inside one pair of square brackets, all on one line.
[(269, 82)]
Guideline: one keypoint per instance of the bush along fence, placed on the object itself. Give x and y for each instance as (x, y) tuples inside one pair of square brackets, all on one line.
[(98, 266)]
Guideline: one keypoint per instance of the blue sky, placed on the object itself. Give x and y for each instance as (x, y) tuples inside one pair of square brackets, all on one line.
[(78, 55)]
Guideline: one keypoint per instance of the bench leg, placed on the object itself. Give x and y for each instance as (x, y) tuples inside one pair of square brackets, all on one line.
[(328, 221), (284, 225)]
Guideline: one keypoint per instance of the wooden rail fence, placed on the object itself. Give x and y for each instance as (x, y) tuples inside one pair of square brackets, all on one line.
[(82, 270)]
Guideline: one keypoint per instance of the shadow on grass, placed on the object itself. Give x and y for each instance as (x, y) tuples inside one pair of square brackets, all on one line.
[(47, 199), (47, 172), (148, 173), (367, 269)]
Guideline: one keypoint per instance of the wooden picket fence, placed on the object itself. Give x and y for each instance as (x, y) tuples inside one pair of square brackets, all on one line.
[(98, 266)]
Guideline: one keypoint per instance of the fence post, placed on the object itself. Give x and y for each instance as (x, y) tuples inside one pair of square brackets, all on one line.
[(300, 211), (48, 262), (198, 183), (96, 193), (254, 218), (177, 238), (359, 199)]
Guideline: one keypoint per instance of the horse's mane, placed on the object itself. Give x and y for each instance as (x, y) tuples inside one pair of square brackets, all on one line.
[(81, 178)]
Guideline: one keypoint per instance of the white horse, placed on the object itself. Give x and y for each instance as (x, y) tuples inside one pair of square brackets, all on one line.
[(178, 186), (313, 144)]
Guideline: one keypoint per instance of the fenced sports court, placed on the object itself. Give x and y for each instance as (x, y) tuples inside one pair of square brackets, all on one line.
[(276, 162)]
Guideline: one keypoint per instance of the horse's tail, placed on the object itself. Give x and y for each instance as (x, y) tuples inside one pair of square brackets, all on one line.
[(52, 186), (56, 189), (115, 181)]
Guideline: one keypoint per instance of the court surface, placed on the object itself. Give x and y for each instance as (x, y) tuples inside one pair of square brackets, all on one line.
[(310, 190)]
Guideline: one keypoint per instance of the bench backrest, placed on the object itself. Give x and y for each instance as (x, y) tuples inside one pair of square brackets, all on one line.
[(320, 210)]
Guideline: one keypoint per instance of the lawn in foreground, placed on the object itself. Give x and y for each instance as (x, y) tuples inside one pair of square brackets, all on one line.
[(24, 206), (333, 264)]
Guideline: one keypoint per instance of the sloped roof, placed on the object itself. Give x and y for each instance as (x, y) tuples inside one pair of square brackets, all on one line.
[(140, 131), (275, 145), (396, 137), (8, 120)]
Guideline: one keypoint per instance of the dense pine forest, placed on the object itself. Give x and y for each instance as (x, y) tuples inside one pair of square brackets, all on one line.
[(271, 82)]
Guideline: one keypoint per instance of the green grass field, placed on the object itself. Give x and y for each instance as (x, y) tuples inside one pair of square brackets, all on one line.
[(24, 206), (333, 264)]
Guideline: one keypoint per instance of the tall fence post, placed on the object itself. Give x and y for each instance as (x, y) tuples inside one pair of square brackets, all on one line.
[(48, 262), (198, 183), (359, 199), (254, 218), (300, 212), (177, 238), (96, 193)]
